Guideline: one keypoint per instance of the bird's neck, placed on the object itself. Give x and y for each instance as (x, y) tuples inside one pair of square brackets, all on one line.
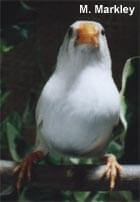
[(72, 66)]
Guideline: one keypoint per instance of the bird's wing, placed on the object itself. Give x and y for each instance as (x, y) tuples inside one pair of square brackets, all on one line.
[(38, 113), (40, 143)]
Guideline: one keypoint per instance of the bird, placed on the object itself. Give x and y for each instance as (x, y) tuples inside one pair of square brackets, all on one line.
[(79, 105)]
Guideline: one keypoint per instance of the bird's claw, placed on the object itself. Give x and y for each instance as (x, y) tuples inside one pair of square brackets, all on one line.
[(113, 169), (23, 170)]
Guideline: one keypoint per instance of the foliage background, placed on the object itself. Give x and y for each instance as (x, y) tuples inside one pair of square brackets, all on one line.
[(30, 37)]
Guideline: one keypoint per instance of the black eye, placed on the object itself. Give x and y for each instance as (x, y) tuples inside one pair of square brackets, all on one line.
[(103, 32), (70, 32)]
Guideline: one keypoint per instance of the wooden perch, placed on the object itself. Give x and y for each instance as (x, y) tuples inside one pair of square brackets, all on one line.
[(74, 177)]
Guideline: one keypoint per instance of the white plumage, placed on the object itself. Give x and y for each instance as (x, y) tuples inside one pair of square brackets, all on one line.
[(79, 105)]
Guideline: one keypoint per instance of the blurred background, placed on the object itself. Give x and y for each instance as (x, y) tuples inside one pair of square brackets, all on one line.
[(31, 33)]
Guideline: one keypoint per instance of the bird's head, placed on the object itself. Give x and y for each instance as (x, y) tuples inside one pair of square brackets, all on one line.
[(85, 41)]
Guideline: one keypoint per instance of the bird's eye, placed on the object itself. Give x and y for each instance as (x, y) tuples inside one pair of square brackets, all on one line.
[(103, 32), (70, 32)]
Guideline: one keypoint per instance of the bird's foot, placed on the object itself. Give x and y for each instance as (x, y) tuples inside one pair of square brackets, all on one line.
[(23, 170), (113, 169)]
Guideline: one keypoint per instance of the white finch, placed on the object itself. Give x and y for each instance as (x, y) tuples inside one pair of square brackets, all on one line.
[(80, 104)]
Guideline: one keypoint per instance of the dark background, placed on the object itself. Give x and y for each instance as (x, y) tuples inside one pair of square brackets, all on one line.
[(30, 63)]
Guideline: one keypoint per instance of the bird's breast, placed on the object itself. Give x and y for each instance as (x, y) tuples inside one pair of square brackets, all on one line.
[(80, 121)]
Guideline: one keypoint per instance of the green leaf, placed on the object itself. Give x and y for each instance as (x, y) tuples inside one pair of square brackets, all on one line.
[(28, 115), (22, 196), (121, 196), (12, 135), (3, 97), (129, 104), (115, 148), (3, 139), (6, 191), (25, 5), (4, 47), (130, 89), (15, 120), (80, 196), (101, 197)]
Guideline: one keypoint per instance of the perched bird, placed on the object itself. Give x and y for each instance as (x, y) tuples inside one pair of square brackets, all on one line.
[(80, 103)]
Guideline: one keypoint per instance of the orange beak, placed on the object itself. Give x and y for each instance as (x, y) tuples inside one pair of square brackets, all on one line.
[(88, 34)]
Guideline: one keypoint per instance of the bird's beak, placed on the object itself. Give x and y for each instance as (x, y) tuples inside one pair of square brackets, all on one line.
[(87, 34)]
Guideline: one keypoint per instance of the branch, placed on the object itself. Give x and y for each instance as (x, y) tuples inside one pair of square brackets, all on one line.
[(74, 177)]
